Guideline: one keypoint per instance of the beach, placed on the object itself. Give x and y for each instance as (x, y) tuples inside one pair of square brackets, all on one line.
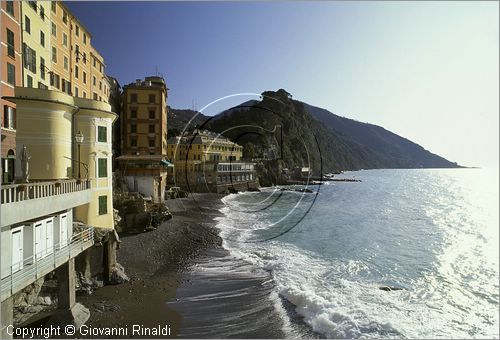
[(153, 260), (165, 291)]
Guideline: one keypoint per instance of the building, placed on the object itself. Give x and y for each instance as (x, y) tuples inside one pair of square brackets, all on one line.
[(36, 25), (64, 177), (77, 67), (208, 162), (45, 46), (143, 162), (11, 76)]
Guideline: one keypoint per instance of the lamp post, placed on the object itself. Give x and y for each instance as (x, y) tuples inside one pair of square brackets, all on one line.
[(79, 141)]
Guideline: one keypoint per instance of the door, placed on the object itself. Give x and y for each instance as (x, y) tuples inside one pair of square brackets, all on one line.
[(49, 236), (39, 240), (17, 250), (63, 231)]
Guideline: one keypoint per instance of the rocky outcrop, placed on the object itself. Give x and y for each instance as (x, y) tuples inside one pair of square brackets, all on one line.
[(136, 214), (118, 275)]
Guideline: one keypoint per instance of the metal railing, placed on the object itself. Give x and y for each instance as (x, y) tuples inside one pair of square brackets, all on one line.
[(20, 192), (27, 271)]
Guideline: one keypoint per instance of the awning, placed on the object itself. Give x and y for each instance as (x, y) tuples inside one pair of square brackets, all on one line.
[(166, 162)]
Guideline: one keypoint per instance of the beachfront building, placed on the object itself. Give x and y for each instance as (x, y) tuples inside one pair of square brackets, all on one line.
[(36, 25), (205, 161), (143, 162), (44, 46), (10, 77), (64, 193), (77, 67)]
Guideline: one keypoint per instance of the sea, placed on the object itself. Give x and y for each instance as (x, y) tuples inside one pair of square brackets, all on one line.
[(397, 254)]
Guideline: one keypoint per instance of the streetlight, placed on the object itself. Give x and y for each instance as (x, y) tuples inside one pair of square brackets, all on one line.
[(79, 141)]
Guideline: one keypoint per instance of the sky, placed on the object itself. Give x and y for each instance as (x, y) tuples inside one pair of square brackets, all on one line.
[(428, 71)]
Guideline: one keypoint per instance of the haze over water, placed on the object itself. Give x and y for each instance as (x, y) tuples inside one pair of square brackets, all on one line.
[(433, 233)]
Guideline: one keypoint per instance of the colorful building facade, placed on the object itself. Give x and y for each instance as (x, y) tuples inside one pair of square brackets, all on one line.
[(143, 161)]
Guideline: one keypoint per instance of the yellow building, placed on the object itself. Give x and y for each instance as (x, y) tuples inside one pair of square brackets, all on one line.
[(77, 67), (207, 161), (36, 30), (144, 137), (56, 153), (63, 192)]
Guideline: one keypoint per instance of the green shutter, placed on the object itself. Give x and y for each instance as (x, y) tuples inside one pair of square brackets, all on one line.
[(101, 134), (103, 205), (103, 167)]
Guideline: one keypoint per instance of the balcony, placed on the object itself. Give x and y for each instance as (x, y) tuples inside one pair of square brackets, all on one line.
[(23, 202), (30, 269)]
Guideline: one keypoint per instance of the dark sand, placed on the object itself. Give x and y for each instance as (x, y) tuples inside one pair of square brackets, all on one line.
[(153, 261), (182, 277)]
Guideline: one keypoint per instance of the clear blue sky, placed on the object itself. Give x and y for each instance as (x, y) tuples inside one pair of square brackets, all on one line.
[(425, 70)]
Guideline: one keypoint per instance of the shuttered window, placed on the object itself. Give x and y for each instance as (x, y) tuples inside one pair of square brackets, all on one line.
[(101, 134), (103, 167), (103, 205)]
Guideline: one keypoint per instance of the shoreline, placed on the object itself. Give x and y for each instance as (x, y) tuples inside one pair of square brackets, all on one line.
[(154, 262)]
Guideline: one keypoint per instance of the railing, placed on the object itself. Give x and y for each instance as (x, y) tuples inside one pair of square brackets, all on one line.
[(32, 268), (21, 192)]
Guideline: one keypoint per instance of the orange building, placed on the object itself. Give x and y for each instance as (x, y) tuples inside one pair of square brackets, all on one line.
[(11, 76)]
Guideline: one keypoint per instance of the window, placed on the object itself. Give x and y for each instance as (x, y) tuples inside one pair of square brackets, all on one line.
[(103, 205), (102, 164), (65, 17), (66, 63), (94, 96), (54, 80), (11, 74), (84, 78), (151, 129), (133, 113), (100, 68), (32, 5), (9, 6), (42, 86), (84, 94), (133, 142), (151, 143), (133, 97), (100, 85), (151, 114), (133, 128), (54, 54), (53, 6), (93, 80), (76, 71), (10, 44), (77, 49), (68, 87), (84, 57), (42, 13), (65, 39), (102, 134), (54, 30), (152, 98), (84, 38), (42, 68), (9, 119), (29, 81), (42, 39), (29, 58), (76, 91), (77, 30), (94, 63), (27, 24)]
